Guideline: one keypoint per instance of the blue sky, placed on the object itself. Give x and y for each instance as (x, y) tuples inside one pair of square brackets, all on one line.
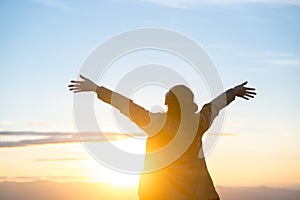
[(43, 44)]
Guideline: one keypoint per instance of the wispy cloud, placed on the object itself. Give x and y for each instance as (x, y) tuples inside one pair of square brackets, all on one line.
[(280, 59), (52, 3), (284, 62), (36, 178), (222, 134), (191, 3), (31, 138), (44, 138), (266, 58), (5, 123), (37, 123), (60, 159)]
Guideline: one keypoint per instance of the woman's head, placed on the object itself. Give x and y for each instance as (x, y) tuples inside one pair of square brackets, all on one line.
[(180, 98)]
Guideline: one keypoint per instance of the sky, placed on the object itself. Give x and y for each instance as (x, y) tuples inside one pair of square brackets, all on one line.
[(44, 43)]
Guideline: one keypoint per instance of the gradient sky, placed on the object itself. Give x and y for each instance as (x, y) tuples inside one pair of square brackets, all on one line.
[(45, 42)]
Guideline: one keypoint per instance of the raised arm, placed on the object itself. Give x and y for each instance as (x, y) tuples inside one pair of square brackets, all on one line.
[(126, 106), (209, 111)]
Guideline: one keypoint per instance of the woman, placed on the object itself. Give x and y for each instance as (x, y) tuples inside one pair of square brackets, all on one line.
[(179, 174)]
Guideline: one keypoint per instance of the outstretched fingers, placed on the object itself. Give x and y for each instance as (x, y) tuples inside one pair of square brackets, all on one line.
[(249, 95), (251, 92), (75, 87), (244, 92), (73, 81), (84, 85), (248, 88), (245, 97)]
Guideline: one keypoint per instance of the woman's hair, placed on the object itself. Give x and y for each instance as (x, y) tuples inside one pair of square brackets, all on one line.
[(180, 98)]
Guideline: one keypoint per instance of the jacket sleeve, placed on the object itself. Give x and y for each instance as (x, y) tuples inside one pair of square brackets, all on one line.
[(126, 106), (211, 110)]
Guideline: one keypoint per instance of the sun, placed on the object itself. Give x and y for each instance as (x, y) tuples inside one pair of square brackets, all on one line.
[(120, 179), (100, 173), (97, 172)]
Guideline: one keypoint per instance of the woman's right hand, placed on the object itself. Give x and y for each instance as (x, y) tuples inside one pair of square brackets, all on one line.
[(82, 86), (244, 92)]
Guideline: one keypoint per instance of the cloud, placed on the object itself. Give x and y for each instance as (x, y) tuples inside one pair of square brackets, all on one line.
[(191, 3), (37, 123), (52, 3), (284, 61), (60, 159), (266, 58), (223, 134), (35, 178), (5, 123), (281, 59), (44, 138), (31, 138)]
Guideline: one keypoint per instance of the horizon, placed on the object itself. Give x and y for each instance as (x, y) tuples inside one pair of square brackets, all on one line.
[(56, 190)]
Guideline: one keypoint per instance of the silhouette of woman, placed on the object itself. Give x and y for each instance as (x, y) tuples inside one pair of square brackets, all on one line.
[(187, 177)]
